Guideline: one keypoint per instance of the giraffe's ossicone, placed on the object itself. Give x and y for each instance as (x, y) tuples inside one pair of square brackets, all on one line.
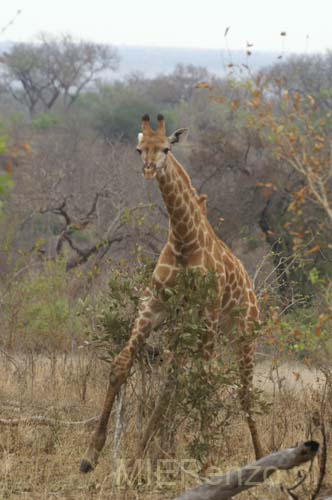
[(191, 243)]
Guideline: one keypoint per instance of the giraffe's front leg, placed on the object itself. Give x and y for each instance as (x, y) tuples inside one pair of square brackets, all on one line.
[(150, 314)]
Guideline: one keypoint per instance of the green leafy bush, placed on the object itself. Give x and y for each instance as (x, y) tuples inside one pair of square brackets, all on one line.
[(115, 112), (195, 391), (38, 313), (44, 121)]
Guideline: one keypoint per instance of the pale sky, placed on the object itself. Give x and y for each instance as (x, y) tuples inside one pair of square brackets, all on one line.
[(177, 23)]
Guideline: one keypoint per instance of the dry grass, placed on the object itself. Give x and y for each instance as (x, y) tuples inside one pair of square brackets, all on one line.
[(41, 461)]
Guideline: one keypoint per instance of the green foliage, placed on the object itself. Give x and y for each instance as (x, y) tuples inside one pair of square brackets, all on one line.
[(6, 184), (115, 111), (299, 328), (38, 313), (314, 277), (199, 386), (199, 397), (3, 144), (302, 334), (117, 311), (44, 121)]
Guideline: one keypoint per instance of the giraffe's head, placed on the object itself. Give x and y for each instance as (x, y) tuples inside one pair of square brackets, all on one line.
[(154, 146)]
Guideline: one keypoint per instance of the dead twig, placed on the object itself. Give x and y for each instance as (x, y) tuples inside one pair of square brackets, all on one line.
[(290, 490)]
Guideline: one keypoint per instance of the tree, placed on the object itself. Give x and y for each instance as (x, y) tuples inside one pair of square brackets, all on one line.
[(113, 108), (178, 85), (296, 131), (304, 74), (116, 110), (54, 68), (76, 197)]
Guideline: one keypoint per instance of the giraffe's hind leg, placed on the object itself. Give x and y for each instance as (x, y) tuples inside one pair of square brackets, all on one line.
[(246, 356)]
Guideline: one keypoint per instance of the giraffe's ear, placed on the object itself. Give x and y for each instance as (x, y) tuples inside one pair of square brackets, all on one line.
[(178, 135), (139, 137)]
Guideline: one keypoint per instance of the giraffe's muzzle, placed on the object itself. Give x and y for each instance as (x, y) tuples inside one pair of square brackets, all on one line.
[(149, 171)]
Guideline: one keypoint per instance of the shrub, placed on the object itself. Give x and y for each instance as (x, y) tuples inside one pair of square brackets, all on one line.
[(192, 394), (38, 313)]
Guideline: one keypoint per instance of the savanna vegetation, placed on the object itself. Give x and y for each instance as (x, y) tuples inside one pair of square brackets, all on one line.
[(81, 231)]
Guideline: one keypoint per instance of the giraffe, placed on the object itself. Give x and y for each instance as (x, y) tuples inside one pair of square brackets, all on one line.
[(191, 243)]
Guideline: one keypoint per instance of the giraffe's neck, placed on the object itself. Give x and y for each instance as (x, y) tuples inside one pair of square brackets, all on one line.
[(181, 201)]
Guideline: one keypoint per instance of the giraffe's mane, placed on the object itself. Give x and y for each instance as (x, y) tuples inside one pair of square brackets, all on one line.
[(201, 200)]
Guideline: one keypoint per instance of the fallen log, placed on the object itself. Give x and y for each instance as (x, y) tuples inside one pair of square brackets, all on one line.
[(234, 482), (41, 420)]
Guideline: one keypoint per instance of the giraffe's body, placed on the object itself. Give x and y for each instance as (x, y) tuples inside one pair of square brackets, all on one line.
[(191, 243)]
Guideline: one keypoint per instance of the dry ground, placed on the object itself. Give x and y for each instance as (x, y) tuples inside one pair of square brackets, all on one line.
[(41, 461)]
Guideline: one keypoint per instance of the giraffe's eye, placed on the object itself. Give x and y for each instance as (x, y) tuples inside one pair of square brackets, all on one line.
[(166, 150), (139, 151)]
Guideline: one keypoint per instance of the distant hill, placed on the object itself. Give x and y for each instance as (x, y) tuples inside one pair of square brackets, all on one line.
[(156, 60), (153, 61)]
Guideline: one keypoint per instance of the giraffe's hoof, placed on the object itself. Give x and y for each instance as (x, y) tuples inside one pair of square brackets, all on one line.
[(86, 466)]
